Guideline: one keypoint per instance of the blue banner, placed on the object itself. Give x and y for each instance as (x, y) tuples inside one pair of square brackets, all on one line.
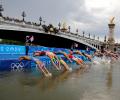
[(14, 64), (12, 49)]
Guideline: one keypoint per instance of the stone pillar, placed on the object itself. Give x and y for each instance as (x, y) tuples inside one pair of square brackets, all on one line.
[(111, 40)]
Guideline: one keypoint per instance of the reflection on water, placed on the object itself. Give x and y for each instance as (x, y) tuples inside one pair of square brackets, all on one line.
[(95, 82), (109, 77)]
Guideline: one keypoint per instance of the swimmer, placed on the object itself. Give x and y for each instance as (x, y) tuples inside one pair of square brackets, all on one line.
[(39, 53), (65, 54), (78, 52), (40, 64), (52, 57), (88, 56), (66, 67), (76, 59)]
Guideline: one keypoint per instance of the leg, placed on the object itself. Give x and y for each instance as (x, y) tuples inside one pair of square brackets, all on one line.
[(54, 64), (65, 65), (46, 70), (43, 68)]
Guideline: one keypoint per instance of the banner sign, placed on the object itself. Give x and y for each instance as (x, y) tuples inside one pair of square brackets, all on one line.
[(14, 64), (12, 49)]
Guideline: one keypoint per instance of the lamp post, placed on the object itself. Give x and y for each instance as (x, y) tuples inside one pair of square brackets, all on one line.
[(1, 9), (69, 29), (83, 33), (98, 38), (59, 25), (23, 15), (105, 39), (89, 35), (77, 31), (94, 37), (40, 19)]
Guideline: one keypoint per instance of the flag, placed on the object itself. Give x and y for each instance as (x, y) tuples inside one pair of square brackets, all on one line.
[(32, 38)]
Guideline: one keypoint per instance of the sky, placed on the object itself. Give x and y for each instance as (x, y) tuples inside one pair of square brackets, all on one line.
[(90, 16)]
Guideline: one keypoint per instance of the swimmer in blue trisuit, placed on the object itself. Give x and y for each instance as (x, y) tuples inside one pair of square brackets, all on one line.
[(54, 59), (40, 64)]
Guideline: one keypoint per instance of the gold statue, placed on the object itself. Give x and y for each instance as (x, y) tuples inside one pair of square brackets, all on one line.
[(64, 25), (112, 20)]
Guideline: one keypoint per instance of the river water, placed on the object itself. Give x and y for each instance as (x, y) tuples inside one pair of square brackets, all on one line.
[(96, 82)]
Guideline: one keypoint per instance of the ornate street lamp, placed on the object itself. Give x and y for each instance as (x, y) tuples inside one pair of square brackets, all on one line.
[(23, 15), (1, 10), (77, 31), (69, 29), (94, 37), (40, 19), (83, 33), (98, 38), (59, 25), (105, 39), (89, 35)]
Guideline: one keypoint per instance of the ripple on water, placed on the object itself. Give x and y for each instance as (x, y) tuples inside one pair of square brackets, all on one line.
[(96, 82)]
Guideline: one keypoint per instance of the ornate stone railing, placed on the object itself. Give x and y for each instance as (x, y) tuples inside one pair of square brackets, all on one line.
[(19, 23)]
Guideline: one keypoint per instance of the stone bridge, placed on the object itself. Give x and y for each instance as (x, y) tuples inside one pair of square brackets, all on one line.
[(7, 24)]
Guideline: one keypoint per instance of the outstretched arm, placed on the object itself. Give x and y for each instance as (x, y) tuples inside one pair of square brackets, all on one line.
[(78, 52), (24, 58)]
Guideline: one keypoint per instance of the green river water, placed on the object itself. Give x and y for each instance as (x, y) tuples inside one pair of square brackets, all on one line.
[(96, 82)]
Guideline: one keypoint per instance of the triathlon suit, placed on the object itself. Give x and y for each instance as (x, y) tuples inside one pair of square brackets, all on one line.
[(80, 60), (42, 53), (50, 54), (70, 56), (59, 58), (77, 59), (74, 58), (34, 59), (52, 57)]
